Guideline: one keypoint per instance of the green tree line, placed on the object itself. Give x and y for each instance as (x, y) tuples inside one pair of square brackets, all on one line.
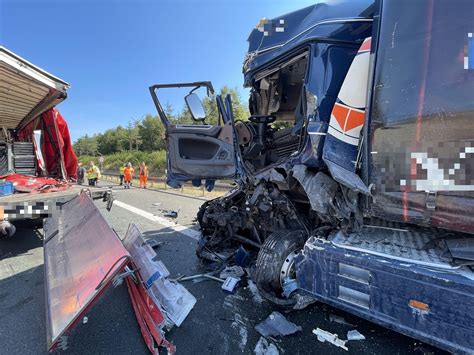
[(147, 134)]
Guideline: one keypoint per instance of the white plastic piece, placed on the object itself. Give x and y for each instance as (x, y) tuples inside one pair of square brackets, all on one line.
[(355, 335), (175, 300), (230, 283), (324, 336)]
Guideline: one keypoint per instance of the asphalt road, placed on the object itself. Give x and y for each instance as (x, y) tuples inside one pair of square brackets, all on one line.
[(220, 323)]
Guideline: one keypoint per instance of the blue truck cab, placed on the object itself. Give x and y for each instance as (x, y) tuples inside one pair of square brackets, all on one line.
[(354, 172)]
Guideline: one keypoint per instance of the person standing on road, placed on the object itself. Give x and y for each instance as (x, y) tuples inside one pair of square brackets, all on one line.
[(143, 172), (121, 169), (81, 173), (93, 174), (128, 175)]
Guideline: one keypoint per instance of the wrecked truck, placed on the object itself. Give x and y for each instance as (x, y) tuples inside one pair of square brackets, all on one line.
[(354, 172), (37, 162)]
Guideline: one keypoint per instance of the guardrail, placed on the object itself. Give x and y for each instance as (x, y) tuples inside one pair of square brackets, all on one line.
[(155, 180)]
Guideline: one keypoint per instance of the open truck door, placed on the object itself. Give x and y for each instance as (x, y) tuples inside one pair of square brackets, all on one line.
[(199, 150)]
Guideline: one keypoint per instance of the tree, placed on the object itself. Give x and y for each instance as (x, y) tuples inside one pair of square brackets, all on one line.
[(151, 132)]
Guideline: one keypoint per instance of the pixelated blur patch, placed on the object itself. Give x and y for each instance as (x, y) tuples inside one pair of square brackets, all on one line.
[(268, 27), (469, 52), (439, 166), (28, 210)]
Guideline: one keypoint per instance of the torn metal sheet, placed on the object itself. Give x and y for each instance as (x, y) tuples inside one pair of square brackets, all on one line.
[(276, 325), (81, 256), (324, 336), (174, 299), (149, 317), (319, 188)]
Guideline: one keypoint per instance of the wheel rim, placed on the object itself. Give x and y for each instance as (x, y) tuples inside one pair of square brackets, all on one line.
[(288, 271)]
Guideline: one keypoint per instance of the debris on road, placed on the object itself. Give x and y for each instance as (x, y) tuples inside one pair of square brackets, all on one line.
[(171, 213), (277, 325), (156, 204), (199, 276), (176, 301), (264, 347), (256, 296), (324, 336), (232, 271), (230, 283), (355, 335), (340, 320)]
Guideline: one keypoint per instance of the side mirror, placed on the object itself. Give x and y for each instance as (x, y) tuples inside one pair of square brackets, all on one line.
[(195, 107)]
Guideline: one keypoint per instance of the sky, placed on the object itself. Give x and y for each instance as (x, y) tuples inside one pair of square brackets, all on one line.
[(111, 51)]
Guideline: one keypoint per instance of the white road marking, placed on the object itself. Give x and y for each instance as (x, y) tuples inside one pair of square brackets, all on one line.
[(188, 232)]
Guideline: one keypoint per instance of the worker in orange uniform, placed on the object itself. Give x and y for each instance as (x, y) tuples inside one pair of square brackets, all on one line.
[(128, 175), (143, 172)]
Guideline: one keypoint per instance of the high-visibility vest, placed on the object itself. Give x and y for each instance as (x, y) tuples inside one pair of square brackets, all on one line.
[(128, 172), (144, 171), (121, 169), (93, 172)]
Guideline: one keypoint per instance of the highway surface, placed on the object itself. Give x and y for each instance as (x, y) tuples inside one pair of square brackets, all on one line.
[(220, 323)]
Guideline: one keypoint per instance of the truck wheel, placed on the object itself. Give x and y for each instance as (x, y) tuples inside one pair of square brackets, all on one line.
[(275, 263)]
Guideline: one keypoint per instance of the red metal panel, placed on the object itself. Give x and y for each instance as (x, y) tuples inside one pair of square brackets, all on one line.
[(82, 254)]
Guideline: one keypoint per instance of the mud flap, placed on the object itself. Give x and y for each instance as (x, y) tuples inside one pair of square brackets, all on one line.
[(82, 254)]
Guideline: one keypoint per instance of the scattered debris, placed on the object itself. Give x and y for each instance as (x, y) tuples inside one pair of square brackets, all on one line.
[(276, 324), (232, 271), (239, 324), (169, 295), (242, 257), (289, 286), (171, 213), (264, 347), (324, 336), (198, 276), (256, 297), (230, 283), (355, 335), (85, 320), (340, 320), (303, 301)]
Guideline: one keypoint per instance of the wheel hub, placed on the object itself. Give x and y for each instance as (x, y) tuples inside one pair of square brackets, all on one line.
[(287, 271)]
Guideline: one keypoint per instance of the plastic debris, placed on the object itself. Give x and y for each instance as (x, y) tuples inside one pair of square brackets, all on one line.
[(340, 320), (324, 336), (355, 335), (173, 298), (171, 214), (264, 347), (232, 271), (230, 283), (303, 301), (289, 286), (276, 325), (156, 204), (242, 257), (85, 320)]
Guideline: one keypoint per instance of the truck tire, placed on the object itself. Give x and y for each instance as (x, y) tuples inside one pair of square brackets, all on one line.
[(274, 261)]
